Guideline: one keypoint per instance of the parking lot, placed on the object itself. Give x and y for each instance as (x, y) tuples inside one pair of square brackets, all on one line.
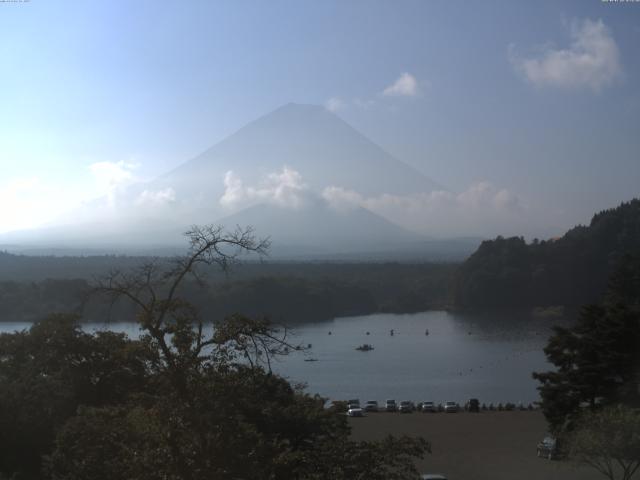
[(475, 446)]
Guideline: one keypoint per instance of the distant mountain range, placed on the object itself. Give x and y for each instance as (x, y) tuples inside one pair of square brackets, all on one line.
[(270, 174)]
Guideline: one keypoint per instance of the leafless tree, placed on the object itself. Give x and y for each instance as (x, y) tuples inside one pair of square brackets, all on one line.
[(174, 326), (608, 441)]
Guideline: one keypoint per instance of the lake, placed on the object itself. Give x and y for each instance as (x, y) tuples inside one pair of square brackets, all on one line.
[(490, 357)]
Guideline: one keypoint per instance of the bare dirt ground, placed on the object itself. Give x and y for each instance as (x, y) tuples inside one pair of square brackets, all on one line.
[(475, 446)]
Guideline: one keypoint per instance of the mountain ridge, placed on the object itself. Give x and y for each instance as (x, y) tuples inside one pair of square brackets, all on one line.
[(572, 270)]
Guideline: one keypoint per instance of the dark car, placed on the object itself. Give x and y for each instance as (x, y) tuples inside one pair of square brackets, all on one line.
[(406, 407), (474, 405), (371, 406)]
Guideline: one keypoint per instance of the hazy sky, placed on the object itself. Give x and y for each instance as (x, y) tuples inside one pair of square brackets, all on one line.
[(539, 99)]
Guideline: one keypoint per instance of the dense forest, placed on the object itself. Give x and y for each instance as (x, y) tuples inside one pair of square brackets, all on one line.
[(285, 292), (570, 271), (503, 273)]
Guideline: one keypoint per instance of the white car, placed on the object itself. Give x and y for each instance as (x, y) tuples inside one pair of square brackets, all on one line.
[(450, 407), (355, 412)]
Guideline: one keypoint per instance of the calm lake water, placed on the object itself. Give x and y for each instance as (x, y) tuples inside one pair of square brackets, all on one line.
[(464, 356)]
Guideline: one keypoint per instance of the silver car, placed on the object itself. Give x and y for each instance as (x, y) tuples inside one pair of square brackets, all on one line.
[(428, 407), (451, 407), (355, 412), (547, 448)]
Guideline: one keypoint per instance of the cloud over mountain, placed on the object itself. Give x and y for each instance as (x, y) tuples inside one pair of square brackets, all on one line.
[(481, 206), (157, 198), (434, 212), (283, 189), (301, 175)]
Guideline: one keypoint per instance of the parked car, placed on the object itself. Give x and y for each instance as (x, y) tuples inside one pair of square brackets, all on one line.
[(371, 406), (474, 405), (405, 407), (428, 407), (355, 412), (450, 407), (548, 448), (391, 406)]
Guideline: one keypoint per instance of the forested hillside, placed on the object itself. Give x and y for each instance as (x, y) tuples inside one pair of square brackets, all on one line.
[(570, 271), (284, 292)]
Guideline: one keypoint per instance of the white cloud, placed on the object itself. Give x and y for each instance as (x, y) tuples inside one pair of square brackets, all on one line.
[(591, 61), (342, 199), (109, 177), (234, 191), (111, 174), (335, 104), (406, 85), (480, 209), (156, 198), (481, 195), (284, 189)]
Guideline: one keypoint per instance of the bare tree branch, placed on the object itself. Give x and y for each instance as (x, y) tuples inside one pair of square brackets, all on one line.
[(174, 324)]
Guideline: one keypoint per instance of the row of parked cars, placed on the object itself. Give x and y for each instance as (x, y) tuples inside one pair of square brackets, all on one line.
[(354, 409)]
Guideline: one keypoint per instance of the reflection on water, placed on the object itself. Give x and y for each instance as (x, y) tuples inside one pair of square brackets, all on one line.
[(471, 355)]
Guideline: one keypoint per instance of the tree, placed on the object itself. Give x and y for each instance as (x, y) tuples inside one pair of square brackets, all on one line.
[(609, 441), (215, 410), (47, 372), (598, 358)]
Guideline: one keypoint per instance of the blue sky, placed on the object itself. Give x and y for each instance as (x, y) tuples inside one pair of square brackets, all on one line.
[(540, 99)]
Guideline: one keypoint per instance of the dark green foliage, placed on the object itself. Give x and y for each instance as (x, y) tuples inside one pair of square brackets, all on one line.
[(102, 407), (189, 401), (50, 370), (286, 292), (598, 359), (571, 270)]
